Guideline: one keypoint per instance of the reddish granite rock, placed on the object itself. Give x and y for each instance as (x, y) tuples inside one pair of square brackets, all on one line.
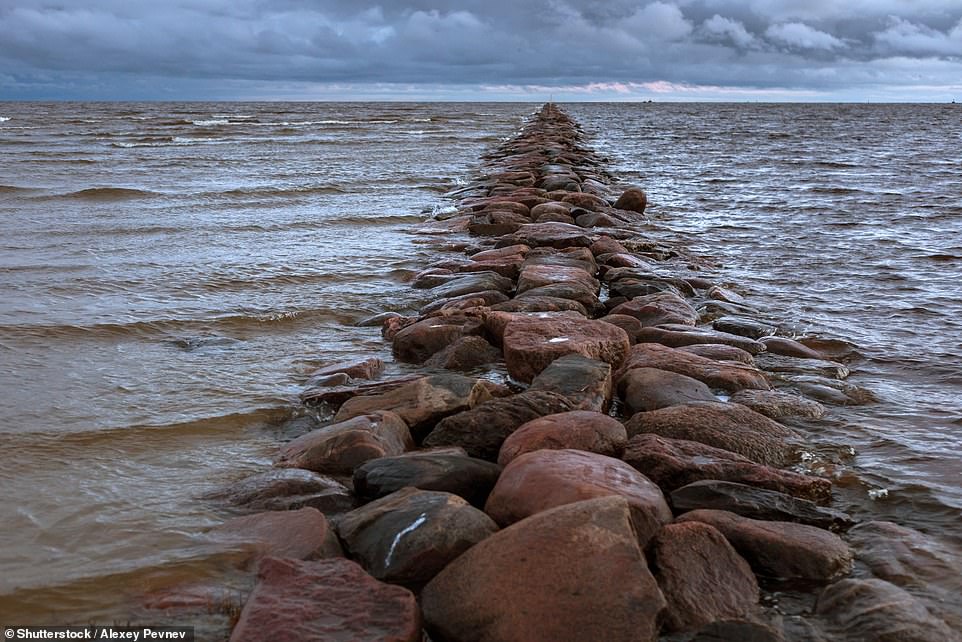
[(530, 344), (508, 267), (632, 199), (598, 219), (630, 325), (569, 574), (727, 375), (496, 321), (408, 536), (337, 395), (583, 381), (644, 389), (341, 447), (472, 283), (744, 326), (539, 480), (789, 348), (723, 425), (325, 600), (780, 549), (719, 352), (925, 566), (558, 235), (757, 503), (701, 576), (570, 257), (540, 304), (288, 489), (421, 402), (369, 368), (299, 534), (550, 208), (464, 354), (500, 253), (675, 336), (673, 463), (625, 260), (586, 296), (728, 296), (536, 276), (418, 341), (433, 469), (482, 430), (873, 610), (794, 366), (742, 630), (777, 404), (607, 245), (555, 217), (576, 430), (587, 201), (487, 297), (659, 308)]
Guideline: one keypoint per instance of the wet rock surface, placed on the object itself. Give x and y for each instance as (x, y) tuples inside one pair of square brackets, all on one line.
[(577, 430), (585, 382), (726, 375), (454, 473)]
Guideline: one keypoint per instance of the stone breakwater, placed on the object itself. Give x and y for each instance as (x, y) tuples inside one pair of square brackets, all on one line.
[(637, 475)]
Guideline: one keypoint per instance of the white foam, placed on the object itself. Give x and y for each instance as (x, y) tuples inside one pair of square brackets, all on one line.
[(213, 121), (4, 119)]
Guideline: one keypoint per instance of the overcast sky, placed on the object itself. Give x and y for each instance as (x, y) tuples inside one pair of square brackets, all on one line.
[(801, 50)]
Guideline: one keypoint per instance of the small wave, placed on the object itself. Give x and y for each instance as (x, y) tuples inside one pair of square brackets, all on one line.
[(13, 189), (943, 258), (391, 219), (835, 164), (108, 194), (282, 191), (4, 119), (211, 121), (836, 190)]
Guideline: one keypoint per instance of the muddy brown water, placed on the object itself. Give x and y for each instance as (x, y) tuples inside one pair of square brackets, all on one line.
[(172, 273)]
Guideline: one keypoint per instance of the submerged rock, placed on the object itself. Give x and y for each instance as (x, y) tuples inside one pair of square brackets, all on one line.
[(288, 489), (297, 534), (777, 404)]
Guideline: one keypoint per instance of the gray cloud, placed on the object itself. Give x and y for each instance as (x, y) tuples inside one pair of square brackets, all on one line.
[(806, 49)]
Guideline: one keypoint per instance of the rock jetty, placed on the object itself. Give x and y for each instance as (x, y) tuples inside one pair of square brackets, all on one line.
[(597, 442)]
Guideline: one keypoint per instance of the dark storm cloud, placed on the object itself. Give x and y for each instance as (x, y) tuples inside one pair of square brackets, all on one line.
[(498, 48)]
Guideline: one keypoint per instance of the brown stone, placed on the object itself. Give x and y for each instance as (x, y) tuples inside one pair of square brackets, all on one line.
[(585, 296), (558, 235), (539, 480), (701, 576), (925, 566), (369, 368), (472, 283), (585, 382), (789, 348), (500, 253), (496, 321), (465, 353), (343, 446), (757, 503), (334, 396), (673, 463), (630, 325), (724, 425), (330, 599), (570, 574), (540, 304), (550, 208), (434, 469), (576, 430), (422, 402), (777, 404), (719, 352), (644, 389), (407, 537), (607, 245), (530, 344), (873, 610), (482, 430), (288, 489), (632, 199), (727, 375), (744, 326), (299, 534), (676, 337), (587, 201), (728, 296), (536, 276), (780, 549), (487, 297), (418, 341), (793, 365), (659, 308)]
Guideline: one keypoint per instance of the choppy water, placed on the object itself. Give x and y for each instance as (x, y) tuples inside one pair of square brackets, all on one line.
[(171, 273)]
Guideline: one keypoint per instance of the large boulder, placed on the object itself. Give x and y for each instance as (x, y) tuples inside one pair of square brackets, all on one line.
[(422, 402), (299, 534), (418, 341), (465, 353), (673, 463), (539, 275), (757, 503), (465, 476), (727, 375), (331, 599), (658, 309), (701, 576), (790, 348), (482, 430), (543, 479), (777, 404), (341, 447), (471, 283), (676, 336), (632, 199), (727, 426), (530, 344), (569, 574), (873, 610), (540, 304), (644, 389), (576, 430), (557, 235), (407, 537), (925, 566), (288, 489), (780, 550), (585, 382)]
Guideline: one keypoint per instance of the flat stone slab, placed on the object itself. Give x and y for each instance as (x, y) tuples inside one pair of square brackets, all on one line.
[(585, 382)]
